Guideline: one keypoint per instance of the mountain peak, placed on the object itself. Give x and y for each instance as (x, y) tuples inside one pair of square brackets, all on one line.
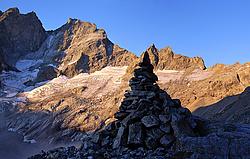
[(152, 49), (13, 10), (20, 34)]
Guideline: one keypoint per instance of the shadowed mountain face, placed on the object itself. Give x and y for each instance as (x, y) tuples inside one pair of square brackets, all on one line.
[(19, 34), (234, 109)]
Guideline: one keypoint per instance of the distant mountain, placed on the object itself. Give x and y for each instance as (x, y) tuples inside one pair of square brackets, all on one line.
[(166, 59), (76, 47)]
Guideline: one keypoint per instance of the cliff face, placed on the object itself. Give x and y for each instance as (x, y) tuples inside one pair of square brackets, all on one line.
[(85, 48), (166, 59), (19, 34), (80, 47), (169, 60)]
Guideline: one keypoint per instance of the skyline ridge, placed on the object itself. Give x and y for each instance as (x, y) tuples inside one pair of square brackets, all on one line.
[(216, 31)]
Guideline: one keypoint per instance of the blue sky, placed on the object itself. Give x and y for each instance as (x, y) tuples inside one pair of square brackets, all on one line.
[(216, 30)]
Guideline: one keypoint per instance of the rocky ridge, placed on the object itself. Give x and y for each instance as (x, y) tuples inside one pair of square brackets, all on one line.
[(76, 47), (166, 59)]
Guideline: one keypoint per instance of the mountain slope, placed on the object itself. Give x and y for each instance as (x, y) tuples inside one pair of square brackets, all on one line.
[(230, 109)]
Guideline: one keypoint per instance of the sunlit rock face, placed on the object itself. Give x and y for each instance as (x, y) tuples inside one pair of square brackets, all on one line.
[(166, 59), (84, 48)]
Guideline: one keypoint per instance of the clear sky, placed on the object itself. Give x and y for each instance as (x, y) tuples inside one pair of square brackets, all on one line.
[(217, 30)]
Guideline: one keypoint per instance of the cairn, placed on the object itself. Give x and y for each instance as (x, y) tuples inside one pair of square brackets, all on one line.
[(147, 117)]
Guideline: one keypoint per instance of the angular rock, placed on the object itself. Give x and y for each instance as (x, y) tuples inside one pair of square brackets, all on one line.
[(164, 118), (121, 115), (151, 143), (118, 139), (155, 133), (166, 140), (135, 134), (165, 128), (150, 121), (46, 73)]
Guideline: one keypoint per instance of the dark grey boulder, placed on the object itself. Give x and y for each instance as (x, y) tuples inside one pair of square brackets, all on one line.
[(46, 73), (135, 134), (150, 121)]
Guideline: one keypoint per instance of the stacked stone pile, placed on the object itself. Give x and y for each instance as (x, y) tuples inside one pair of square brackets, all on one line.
[(147, 117)]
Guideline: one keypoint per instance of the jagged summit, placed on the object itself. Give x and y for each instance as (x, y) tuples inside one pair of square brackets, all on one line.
[(14, 10), (74, 48), (19, 34), (153, 55)]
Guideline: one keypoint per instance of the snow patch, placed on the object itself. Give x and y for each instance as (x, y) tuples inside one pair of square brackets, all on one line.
[(14, 81), (12, 129), (52, 65), (31, 141), (73, 62), (51, 37), (11, 95), (109, 77), (23, 65)]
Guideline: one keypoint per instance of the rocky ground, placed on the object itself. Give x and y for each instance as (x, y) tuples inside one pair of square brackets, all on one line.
[(14, 145)]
